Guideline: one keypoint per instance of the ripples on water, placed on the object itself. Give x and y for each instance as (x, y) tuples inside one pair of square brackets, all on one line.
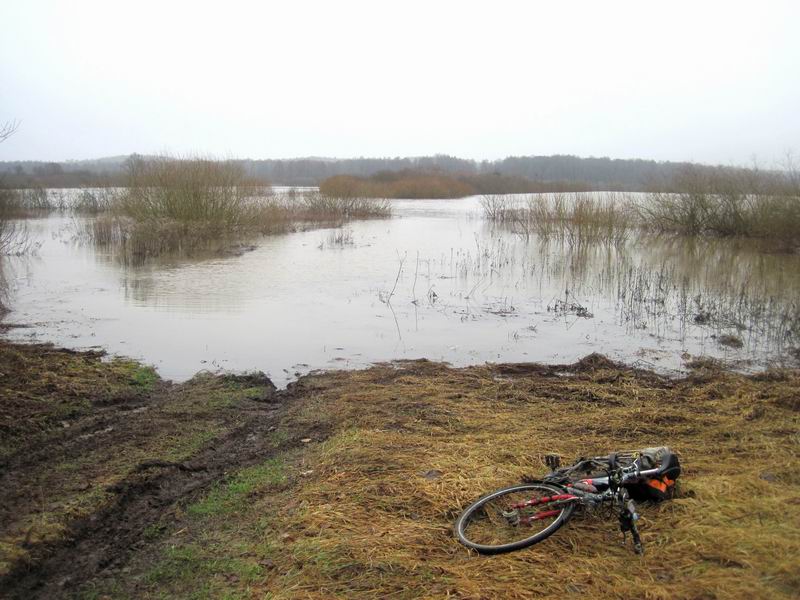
[(434, 281)]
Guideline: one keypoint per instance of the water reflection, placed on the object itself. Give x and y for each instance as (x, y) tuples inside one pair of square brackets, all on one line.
[(435, 281)]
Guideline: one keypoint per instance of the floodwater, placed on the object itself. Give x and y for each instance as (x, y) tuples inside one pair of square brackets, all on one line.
[(435, 280)]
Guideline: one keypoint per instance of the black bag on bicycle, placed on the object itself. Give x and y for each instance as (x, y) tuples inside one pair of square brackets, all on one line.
[(662, 485)]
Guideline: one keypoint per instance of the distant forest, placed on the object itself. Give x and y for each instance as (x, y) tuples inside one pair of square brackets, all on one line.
[(589, 173)]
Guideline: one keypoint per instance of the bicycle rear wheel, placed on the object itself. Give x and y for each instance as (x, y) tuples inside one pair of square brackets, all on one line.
[(514, 517)]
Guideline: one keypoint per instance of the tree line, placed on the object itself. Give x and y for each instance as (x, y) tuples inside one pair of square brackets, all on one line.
[(590, 173)]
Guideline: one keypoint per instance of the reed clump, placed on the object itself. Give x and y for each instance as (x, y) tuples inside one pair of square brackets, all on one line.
[(575, 218), (37, 201), (94, 200), (29, 203), (581, 217), (15, 239)]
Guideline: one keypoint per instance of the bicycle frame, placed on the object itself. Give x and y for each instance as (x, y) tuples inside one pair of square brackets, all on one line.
[(628, 477), (577, 494), (607, 488)]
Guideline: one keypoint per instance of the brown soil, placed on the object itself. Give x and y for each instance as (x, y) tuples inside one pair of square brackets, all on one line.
[(347, 483), (97, 457)]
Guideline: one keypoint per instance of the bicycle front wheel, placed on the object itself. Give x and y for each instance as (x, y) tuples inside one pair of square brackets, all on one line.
[(514, 517)]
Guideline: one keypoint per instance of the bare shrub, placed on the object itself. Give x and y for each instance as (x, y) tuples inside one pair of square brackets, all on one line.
[(728, 203), (188, 205), (14, 237), (190, 191), (497, 207)]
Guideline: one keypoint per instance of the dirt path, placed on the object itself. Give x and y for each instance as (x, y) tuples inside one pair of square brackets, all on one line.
[(104, 540), (96, 459)]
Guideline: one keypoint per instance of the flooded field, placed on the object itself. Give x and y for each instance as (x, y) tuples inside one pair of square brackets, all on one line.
[(436, 280)]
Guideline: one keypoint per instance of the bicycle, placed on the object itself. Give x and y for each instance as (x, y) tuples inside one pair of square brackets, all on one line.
[(521, 515)]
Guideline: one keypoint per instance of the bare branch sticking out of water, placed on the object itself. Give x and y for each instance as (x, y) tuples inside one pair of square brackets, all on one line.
[(388, 298), (414, 287)]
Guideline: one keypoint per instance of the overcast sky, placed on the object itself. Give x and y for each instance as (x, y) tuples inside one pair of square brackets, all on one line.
[(715, 82)]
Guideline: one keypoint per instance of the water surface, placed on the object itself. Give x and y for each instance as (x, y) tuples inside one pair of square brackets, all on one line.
[(435, 281)]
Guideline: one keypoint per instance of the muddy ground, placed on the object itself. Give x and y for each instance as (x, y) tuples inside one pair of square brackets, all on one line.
[(115, 484)]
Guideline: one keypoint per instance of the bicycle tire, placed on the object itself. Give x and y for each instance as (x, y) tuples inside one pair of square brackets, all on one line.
[(471, 511)]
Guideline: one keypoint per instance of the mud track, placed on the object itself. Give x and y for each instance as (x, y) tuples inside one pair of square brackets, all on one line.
[(103, 542)]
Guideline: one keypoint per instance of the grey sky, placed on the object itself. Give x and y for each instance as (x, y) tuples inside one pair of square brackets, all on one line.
[(704, 81)]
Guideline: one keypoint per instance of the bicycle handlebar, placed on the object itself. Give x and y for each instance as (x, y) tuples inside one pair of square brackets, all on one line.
[(628, 473)]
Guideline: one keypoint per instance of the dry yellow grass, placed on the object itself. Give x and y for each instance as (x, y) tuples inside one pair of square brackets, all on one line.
[(366, 507)]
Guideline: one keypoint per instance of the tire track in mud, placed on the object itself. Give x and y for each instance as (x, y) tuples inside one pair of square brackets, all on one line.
[(68, 443), (105, 540)]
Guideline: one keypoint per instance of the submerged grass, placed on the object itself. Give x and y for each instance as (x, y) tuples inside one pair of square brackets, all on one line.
[(368, 508), (575, 218), (38, 201)]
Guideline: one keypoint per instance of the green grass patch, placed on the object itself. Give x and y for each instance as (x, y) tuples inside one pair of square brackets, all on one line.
[(183, 447), (232, 496), (47, 387), (144, 377), (206, 393), (203, 573), (278, 437)]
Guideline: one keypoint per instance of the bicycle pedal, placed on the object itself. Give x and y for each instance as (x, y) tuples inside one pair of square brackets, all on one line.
[(553, 461)]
